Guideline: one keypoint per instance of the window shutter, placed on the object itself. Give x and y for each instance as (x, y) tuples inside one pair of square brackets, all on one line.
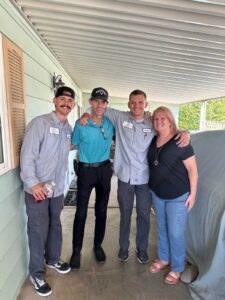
[(14, 78)]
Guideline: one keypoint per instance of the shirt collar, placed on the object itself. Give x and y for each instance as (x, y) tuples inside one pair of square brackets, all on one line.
[(90, 122), (145, 119), (133, 119), (56, 120)]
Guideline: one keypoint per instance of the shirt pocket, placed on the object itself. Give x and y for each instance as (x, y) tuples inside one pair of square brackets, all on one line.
[(145, 137)]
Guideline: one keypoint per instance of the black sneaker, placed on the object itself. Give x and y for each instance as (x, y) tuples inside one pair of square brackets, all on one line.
[(142, 256), (99, 254), (42, 288), (75, 261), (61, 267), (123, 255)]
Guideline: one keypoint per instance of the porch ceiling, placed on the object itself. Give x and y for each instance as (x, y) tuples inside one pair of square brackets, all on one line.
[(172, 49)]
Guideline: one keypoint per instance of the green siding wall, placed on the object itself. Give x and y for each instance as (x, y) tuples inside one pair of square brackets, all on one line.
[(39, 66), (13, 240)]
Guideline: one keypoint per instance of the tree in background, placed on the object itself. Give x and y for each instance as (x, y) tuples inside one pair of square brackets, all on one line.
[(216, 110), (189, 116)]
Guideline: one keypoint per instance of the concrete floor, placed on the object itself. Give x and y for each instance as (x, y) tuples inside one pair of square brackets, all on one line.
[(113, 280)]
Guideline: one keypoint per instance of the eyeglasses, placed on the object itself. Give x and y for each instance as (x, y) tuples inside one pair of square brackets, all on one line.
[(103, 132)]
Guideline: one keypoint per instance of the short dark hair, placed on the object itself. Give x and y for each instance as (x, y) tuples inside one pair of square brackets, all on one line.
[(137, 92)]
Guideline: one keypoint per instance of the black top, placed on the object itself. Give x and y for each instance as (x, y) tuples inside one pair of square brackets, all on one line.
[(169, 178)]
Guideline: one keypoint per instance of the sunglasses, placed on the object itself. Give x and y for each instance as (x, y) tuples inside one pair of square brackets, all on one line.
[(103, 132)]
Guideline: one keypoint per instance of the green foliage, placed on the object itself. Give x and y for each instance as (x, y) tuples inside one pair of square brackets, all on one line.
[(189, 116), (215, 110)]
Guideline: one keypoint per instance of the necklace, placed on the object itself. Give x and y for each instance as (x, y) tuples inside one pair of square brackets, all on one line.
[(157, 150), (156, 161)]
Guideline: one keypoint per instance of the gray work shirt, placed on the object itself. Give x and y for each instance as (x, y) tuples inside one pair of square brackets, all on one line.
[(44, 153), (133, 138)]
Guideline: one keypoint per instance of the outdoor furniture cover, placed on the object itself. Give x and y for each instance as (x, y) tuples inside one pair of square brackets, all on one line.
[(205, 233)]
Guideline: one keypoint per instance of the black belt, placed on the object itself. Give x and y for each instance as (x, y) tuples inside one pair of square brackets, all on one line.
[(94, 165)]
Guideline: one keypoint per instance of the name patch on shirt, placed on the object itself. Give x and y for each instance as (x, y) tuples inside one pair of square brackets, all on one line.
[(69, 136), (147, 130), (54, 130), (127, 124)]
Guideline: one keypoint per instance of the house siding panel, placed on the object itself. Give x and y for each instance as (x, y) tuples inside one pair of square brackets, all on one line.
[(39, 66)]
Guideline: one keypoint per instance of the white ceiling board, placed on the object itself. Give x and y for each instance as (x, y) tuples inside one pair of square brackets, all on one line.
[(172, 49)]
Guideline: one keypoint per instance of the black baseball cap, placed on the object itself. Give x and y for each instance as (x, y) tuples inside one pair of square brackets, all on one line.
[(65, 91), (99, 93)]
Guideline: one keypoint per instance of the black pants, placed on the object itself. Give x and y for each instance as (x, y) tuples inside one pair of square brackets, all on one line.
[(89, 178)]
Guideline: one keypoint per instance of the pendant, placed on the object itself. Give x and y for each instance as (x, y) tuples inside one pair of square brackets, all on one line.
[(156, 162)]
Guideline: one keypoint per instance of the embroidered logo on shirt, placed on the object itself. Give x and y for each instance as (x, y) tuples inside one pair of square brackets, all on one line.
[(127, 124), (54, 130)]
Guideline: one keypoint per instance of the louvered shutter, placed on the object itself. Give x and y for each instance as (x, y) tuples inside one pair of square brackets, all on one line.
[(14, 78)]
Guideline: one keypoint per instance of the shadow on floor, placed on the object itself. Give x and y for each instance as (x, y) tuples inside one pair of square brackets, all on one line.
[(113, 280)]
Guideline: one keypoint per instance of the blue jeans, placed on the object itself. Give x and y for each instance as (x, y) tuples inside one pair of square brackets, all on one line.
[(171, 216)]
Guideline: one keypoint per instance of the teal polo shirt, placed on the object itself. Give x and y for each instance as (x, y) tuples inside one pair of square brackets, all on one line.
[(94, 140)]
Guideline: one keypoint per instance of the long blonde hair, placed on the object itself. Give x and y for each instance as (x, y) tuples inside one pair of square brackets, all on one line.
[(169, 116)]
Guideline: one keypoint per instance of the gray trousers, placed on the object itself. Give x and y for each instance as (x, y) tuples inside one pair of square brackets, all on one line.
[(125, 195), (44, 231)]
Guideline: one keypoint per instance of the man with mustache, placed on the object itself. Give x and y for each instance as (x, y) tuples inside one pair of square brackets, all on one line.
[(44, 158)]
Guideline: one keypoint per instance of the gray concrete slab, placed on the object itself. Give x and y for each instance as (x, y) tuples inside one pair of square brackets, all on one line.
[(113, 280)]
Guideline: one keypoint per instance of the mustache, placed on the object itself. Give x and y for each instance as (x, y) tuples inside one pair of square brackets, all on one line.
[(67, 106)]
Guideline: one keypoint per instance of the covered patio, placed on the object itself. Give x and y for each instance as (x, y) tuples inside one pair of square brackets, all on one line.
[(173, 50)]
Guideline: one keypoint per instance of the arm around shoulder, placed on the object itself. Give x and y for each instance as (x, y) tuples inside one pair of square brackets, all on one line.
[(183, 138), (113, 114)]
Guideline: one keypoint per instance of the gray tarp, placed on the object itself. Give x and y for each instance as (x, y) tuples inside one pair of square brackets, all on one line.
[(206, 222)]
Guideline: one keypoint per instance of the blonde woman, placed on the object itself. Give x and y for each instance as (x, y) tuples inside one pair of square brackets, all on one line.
[(173, 185)]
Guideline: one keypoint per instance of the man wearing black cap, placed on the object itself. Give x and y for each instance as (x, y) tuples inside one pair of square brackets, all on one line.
[(133, 136), (44, 158), (95, 171)]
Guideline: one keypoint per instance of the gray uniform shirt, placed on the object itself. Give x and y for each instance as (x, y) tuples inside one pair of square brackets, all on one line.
[(133, 138), (44, 153)]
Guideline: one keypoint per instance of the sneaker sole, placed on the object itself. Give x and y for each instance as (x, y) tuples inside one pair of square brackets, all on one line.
[(38, 293), (43, 295), (123, 260), (100, 262), (59, 271), (142, 262)]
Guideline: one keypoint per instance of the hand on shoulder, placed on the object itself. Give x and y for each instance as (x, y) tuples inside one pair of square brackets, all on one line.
[(84, 119), (183, 138)]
